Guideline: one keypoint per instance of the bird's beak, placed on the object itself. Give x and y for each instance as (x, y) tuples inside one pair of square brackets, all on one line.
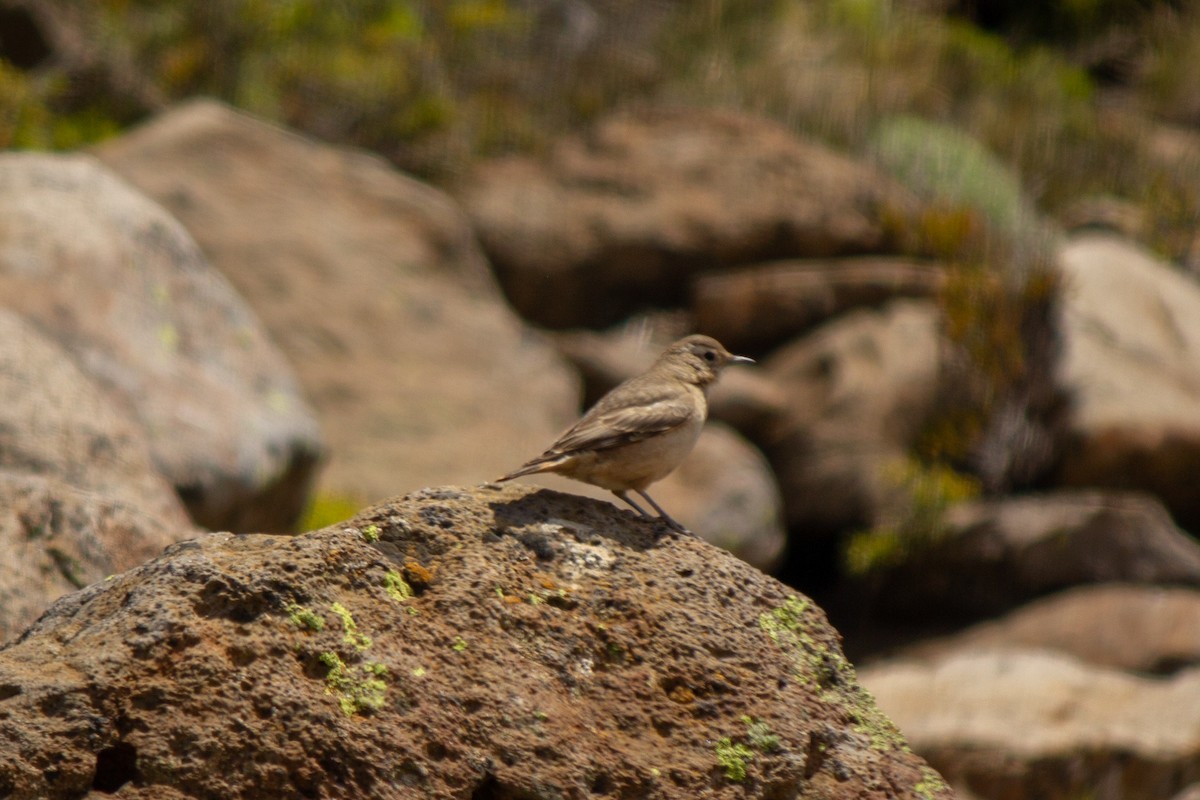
[(741, 360)]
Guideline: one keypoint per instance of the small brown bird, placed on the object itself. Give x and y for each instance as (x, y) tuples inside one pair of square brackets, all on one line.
[(641, 430)]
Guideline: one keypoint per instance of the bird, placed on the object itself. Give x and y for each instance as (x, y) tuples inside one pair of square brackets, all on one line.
[(641, 430)]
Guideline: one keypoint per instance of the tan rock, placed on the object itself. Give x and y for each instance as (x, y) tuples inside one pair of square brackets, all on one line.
[(1034, 724), (997, 554), (858, 391), (373, 285), (502, 643), (121, 286), (1151, 629), (757, 307), (619, 218), (1132, 366), (80, 497)]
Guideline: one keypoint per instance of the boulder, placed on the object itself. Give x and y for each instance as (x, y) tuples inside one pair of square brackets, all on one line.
[(755, 308), (120, 285), (1134, 628), (620, 217), (1132, 365), (79, 494), (373, 285), (858, 391), (1006, 724), (997, 554), (454, 643)]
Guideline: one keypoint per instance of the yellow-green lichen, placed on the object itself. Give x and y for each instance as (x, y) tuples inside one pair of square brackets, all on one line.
[(370, 534), (828, 672), (734, 757), (306, 618), (397, 588), (758, 733), (350, 633), (459, 645), (357, 688), (930, 785)]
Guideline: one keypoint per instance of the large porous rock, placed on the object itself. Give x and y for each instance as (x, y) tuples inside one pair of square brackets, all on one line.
[(1135, 628), (455, 643), (620, 217), (80, 497), (1132, 365), (373, 285), (118, 283), (1014, 724), (996, 554), (858, 391), (755, 308)]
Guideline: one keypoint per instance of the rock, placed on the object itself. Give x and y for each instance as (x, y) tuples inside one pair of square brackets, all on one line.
[(373, 285), (997, 554), (79, 495), (859, 389), (122, 287), (1147, 629), (621, 217), (1132, 364), (753, 309), (491, 643), (1029, 724)]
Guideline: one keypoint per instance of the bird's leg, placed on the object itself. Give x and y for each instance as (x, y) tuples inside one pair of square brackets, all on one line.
[(621, 494), (663, 514)]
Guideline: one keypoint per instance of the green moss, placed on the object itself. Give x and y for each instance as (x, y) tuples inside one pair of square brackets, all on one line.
[(359, 688), (734, 758), (303, 617), (350, 632)]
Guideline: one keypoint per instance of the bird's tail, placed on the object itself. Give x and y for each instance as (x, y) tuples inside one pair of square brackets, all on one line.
[(542, 463)]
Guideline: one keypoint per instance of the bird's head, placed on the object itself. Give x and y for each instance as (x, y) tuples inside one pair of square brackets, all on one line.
[(699, 359)]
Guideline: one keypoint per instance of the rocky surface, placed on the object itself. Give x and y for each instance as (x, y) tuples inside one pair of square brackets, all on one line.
[(1033, 724), (1132, 365), (80, 497), (620, 217), (858, 391), (111, 277), (489, 643), (372, 283), (758, 307), (996, 554), (1135, 628)]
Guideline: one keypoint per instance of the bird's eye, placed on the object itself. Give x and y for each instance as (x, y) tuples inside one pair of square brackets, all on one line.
[(709, 355)]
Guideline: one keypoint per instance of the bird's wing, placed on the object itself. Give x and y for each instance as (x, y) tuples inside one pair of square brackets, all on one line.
[(607, 425)]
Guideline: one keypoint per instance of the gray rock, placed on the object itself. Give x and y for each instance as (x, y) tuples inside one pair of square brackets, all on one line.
[(620, 218), (858, 391), (121, 286), (80, 497), (997, 554), (373, 285), (1132, 366), (1020, 723)]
